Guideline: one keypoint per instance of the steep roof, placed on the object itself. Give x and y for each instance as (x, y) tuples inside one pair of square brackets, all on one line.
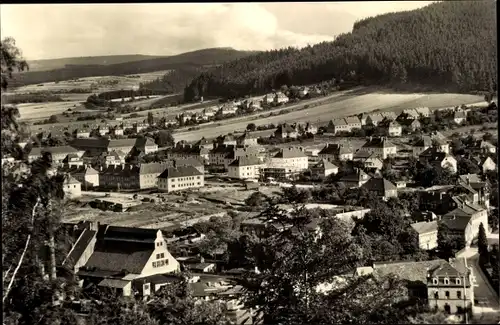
[(425, 227), (339, 121), (356, 176), (456, 223), (290, 153), (389, 115), (125, 170), (35, 151), (79, 247), (246, 161), (379, 184), (466, 210), (411, 271), (325, 164), (352, 120), (424, 141), (68, 179), (184, 171), (152, 168), (375, 117), (433, 154), (378, 143), (335, 149)]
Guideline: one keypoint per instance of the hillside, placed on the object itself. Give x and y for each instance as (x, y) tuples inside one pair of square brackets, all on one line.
[(51, 64), (446, 46), (189, 60)]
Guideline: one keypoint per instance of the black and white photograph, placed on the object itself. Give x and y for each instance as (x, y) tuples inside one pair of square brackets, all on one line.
[(246, 163)]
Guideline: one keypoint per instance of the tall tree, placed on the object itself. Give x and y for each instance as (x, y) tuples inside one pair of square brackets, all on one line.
[(482, 242)]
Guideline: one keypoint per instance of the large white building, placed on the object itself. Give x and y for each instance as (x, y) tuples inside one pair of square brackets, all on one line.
[(245, 168), (180, 178)]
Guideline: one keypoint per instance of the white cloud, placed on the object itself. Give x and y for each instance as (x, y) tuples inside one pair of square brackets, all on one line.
[(51, 31)]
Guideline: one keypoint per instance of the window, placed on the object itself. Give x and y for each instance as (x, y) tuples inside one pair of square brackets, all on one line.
[(436, 295), (162, 255), (154, 264), (166, 262), (146, 286), (459, 294), (173, 186), (447, 294), (446, 281), (435, 281), (457, 281), (158, 256)]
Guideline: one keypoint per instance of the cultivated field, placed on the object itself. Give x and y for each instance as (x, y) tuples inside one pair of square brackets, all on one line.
[(38, 111), (344, 104), (102, 83)]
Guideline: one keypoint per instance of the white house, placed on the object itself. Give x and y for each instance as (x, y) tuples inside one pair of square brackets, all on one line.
[(180, 178), (290, 158), (380, 146), (71, 187), (245, 168), (427, 234), (280, 98), (394, 129)]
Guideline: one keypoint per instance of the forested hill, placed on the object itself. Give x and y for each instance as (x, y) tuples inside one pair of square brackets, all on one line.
[(186, 61), (447, 45)]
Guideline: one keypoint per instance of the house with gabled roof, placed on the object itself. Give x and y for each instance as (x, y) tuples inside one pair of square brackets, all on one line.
[(286, 164), (247, 139), (323, 169), (336, 126), (123, 256), (422, 144), (246, 167), (71, 187), (423, 111), (86, 175), (485, 163), (353, 122), (374, 119), (82, 132), (465, 220), (459, 117), (394, 129), (381, 146), (337, 151), (73, 159), (184, 150), (180, 178), (226, 140), (391, 116), (280, 98), (355, 179), (58, 153), (438, 159), (286, 131), (427, 234), (381, 187), (411, 113)]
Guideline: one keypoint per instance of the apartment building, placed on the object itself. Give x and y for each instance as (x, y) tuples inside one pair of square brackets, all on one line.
[(180, 178), (427, 234), (247, 167), (336, 151), (380, 146)]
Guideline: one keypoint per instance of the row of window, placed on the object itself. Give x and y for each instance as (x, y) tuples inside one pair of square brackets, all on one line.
[(159, 244), (447, 281), (189, 178), (160, 255), (160, 263), (447, 295), (186, 185)]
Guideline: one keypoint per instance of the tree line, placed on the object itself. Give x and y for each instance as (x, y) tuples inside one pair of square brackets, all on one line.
[(448, 46)]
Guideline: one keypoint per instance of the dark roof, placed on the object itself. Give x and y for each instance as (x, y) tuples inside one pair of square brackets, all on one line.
[(187, 162), (152, 168), (133, 234), (457, 223), (119, 170), (411, 271), (324, 163), (433, 154), (378, 143), (425, 226), (379, 184), (79, 247), (356, 176), (35, 151), (424, 141), (290, 153), (335, 149), (83, 143), (246, 161), (180, 172)]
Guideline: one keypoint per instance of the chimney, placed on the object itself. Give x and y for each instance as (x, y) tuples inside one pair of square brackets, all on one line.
[(123, 166)]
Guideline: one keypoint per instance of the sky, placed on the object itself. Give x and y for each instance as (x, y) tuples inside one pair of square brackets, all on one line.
[(46, 31)]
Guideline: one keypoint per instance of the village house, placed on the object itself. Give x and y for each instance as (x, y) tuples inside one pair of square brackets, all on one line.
[(280, 98), (180, 178), (247, 139), (411, 124), (438, 159), (479, 188), (421, 145), (138, 127), (228, 108), (124, 257), (226, 140), (86, 175), (268, 99), (73, 159), (353, 123), (210, 111), (427, 234), (394, 129), (380, 146), (438, 282), (286, 164), (310, 129), (459, 117), (390, 116), (465, 221), (423, 111), (221, 156), (117, 130), (485, 163), (183, 150), (381, 187), (485, 147), (336, 126), (286, 131), (112, 158), (71, 187), (95, 147), (303, 91), (323, 169), (58, 153), (355, 179), (103, 130), (336, 151), (245, 167), (411, 113), (374, 119), (370, 161), (82, 133)]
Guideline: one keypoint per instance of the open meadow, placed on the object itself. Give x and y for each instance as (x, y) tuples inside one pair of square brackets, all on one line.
[(347, 103)]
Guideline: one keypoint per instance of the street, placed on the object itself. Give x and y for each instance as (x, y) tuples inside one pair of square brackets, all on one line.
[(487, 310)]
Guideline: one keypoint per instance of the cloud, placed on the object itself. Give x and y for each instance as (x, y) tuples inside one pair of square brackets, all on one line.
[(67, 30)]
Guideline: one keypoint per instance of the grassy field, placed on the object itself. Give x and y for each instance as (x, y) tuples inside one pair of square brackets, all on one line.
[(123, 83), (38, 111), (343, 104)]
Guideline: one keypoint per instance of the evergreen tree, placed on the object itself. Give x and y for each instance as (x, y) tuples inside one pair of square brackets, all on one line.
[(482, 242)]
